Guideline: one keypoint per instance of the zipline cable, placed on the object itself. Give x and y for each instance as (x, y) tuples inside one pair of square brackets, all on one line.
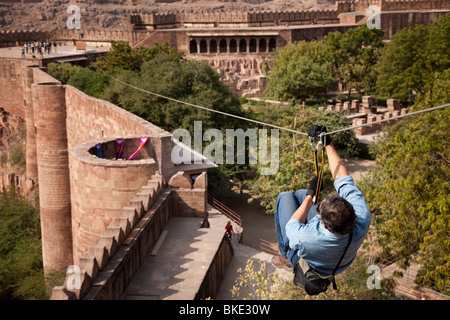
[(205, 108), (264, 123), (388, 119)]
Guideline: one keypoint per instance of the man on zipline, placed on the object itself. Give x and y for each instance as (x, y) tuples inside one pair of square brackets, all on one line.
[(315, 236)]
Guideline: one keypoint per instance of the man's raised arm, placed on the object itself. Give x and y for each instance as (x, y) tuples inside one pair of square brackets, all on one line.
[(337, 167)]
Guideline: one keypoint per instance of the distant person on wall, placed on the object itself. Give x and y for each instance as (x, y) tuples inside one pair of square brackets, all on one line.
[(315, 236), (229, 228)]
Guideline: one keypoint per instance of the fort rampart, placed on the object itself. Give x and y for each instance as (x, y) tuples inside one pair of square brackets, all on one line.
[(180, 22), (99, 212)]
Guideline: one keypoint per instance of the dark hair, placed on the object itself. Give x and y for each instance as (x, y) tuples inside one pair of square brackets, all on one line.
[(337, 214)]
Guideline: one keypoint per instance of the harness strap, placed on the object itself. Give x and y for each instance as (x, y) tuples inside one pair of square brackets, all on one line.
[(319, 174), (340, 260)]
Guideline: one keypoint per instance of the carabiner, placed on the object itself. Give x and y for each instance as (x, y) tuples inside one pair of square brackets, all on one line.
[(320, 144), (311, 139)]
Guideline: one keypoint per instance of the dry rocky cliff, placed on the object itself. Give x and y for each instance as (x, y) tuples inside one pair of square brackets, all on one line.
[(113, 15)]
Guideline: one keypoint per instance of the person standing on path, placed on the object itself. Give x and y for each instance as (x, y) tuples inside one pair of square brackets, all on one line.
[(229, 228)]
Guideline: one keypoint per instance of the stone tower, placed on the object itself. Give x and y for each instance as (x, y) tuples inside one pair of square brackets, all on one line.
[(49, 112)]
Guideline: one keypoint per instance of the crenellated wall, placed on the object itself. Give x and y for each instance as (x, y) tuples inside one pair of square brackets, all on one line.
[(392, 5), (367, 111)]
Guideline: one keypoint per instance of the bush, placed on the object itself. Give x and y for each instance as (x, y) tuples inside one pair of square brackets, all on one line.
[(21, 269), (17, 156), (256, 283)]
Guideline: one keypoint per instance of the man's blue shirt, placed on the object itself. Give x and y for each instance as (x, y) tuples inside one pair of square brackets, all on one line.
[(322, 248)]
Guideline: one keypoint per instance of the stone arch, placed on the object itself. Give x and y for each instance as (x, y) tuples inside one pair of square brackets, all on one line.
[(203, 46), (223, 46), (193, 47), (262, 45), (213, 46), (252, 47), (272, 44), (233, 46), (243, 45)]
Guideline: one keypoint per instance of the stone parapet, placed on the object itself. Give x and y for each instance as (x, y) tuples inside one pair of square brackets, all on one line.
[(365, 112), (102, 187)]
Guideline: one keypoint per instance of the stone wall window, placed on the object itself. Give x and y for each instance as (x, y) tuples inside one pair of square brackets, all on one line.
[(213, 46), (272, 44), (242, 45), (233, 46), (252, 47), (262, 45), (193, 47), (223, 46), (203, 46)]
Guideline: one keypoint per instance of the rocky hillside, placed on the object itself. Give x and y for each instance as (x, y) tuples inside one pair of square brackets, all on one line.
[(112, 14)]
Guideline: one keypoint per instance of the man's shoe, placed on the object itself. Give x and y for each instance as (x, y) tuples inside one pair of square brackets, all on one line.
[(281, 262)]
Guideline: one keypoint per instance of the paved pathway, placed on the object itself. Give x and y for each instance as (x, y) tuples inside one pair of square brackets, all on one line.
[(177, 269), (61, 51)]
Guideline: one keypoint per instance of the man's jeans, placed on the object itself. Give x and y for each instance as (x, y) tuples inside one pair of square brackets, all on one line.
[(286, 204)]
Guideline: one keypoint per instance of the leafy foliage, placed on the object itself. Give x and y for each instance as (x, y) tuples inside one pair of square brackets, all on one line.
[(122, 56), (254, 284), (172, 76), (162, 71), (90, 82), (354, 55), (410, 61), (409, 192), (299, 71), (21, 269)]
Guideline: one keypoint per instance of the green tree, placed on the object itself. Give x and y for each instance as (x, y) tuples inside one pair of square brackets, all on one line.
[(256, 283), (299, 71), (188, 81), (354, 55), (21, 270), (410, 61), (61, 71), (90, 82), (409, 191), (122, 56)]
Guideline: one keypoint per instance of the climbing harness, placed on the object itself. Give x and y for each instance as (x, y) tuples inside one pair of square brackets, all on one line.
[(319, 173)]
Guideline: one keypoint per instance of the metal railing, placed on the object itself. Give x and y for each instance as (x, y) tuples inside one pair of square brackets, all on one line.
[(225, 210)]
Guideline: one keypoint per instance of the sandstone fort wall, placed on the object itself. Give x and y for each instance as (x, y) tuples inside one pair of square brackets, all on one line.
[(98, 213)]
